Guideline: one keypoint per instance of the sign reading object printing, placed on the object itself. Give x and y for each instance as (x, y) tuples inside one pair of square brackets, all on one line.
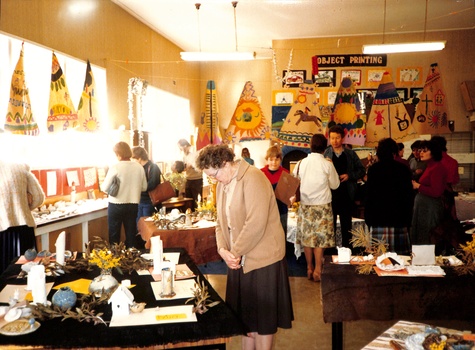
[(351, 60)]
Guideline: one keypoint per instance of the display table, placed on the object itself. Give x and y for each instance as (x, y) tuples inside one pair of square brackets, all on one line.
[(349, 296), (465, 206), (178, 202), (216, 326), (200, 243), (292, 231)]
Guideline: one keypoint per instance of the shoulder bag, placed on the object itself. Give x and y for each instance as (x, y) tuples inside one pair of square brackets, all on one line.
[(162, 192), (288, 186), (114, 187)]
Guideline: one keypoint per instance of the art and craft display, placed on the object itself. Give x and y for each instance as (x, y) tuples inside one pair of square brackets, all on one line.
[(88, 109), (19, 118), (208, 127), (62, 115), (388, 116), (248, 122), (303, 119), (346, 112), (431, 115)]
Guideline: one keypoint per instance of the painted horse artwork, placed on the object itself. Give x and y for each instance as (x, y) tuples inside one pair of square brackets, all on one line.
[(305, 117)]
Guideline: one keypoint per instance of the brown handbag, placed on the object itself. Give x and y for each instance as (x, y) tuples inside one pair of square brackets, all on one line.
[(162, 192), (288, 186)]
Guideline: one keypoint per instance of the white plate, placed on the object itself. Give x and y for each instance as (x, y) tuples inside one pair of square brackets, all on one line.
[(19, 327)]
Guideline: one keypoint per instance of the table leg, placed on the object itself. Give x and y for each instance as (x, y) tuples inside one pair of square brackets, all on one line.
[(337, 336)]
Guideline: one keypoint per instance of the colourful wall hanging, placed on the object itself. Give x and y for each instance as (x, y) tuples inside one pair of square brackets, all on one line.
[(208, 127), (388, 116), (19, 118), (346, 112), (88, 111), (248, 122), (303, 119), (431, 115), (62, 116)]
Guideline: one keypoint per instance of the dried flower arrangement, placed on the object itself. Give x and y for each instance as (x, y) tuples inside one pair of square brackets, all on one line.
[(467, 255), (201, 298), (85, 312), (362, 239)]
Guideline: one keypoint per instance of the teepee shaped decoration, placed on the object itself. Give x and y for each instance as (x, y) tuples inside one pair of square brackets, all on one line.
[(431, 114), (208, 127), (62, 115), (88, 111), (248, 122), (346, 112), (303, 119), (388, 116), (19, 119)]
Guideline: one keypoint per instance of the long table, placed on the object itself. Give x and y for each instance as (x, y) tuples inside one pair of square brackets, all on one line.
[(200, 243), (349, 296), (216, 326)]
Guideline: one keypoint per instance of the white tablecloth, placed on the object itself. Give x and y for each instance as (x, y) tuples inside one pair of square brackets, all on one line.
[(292, 231)]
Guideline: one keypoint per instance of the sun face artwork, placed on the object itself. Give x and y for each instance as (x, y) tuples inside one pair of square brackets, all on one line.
[(248, 122)]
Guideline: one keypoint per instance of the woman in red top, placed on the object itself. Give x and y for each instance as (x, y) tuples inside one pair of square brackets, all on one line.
[(428, 205)]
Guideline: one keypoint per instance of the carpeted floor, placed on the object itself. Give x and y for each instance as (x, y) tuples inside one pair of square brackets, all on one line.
[(297, 268)]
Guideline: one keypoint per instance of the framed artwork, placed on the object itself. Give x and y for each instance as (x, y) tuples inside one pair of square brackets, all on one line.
[(331, 97), (355, 75), (402, 92), (409, 75), (325, 77), (415, 93), (284, 97), (293, 78), (374, 76)]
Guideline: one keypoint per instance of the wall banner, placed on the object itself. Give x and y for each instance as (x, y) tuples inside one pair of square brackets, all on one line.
[(355, 60)]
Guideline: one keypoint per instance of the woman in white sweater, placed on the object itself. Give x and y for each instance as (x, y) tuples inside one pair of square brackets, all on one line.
[(315, 217), (123, 207)]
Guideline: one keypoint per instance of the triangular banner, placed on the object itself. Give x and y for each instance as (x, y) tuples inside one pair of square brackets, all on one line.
[(208, 127), (19, 118), (431, 114), (346, 112), (303, 119), (248, 122), (388, 116), (62, 115), (88, 110)]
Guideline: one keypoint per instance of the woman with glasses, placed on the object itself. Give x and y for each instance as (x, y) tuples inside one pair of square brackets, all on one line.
[(428, 209), (251, 241)]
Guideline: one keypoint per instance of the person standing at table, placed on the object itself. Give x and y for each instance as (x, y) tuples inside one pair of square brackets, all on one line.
[(152, 174), (20, 193), (194, 177), (315, 230), (416, 165), (123, 207), (246, 155), (251, 241), (273, 170), (350, 170), (388, 207), (428, 210)]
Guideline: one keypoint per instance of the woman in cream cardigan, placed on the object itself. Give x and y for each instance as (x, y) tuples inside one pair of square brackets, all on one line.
[(251, 241)]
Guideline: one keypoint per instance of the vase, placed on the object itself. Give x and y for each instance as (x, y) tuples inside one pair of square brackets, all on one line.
[(65, 298), (104, 283)]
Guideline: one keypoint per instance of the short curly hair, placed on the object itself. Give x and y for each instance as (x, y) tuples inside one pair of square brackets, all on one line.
[(214, 156)]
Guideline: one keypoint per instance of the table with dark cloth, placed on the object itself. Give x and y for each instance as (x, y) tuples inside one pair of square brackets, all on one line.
[(349, 296), (200, 243), (213, 327)]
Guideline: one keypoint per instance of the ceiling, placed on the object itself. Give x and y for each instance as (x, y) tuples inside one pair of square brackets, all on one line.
[(258, 22)]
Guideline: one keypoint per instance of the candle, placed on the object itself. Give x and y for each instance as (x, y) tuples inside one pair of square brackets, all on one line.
[(60, 247), (157, 253), (38, 284)]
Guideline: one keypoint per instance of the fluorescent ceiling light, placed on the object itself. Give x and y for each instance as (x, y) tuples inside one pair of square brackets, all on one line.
[(405, 47), (217, 56)]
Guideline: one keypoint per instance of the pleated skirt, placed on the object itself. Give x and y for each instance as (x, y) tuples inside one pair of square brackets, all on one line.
[(261, 298)]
